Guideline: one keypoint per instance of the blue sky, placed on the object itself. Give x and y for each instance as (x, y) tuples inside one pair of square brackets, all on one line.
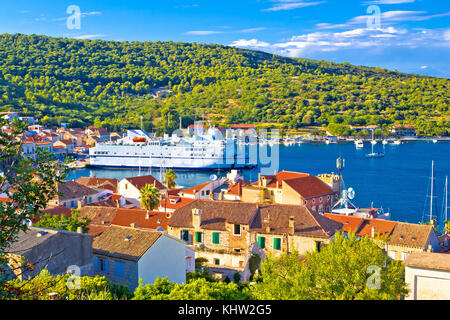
[(411, 36)]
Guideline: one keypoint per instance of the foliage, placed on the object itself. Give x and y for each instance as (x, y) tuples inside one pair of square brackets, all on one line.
[(64, 222), (91, 288), (340, 271), (110, 83), (29, 183), (149, 197), (198, 289), (169, 179), (204, 273)]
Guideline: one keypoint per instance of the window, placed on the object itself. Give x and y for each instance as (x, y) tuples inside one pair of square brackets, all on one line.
[(119, 269), (237, 230), (277, 243), (392, 254), (184, 235), (216, 262), (404, 255), (216, 238), (198, 237), (262, 242), (102, 265), (72, 203), (318, 245)]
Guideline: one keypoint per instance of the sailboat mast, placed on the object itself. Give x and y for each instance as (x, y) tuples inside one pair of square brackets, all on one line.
[(431, 198)]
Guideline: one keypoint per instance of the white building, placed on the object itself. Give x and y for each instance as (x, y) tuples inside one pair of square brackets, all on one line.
[(130, 188), (427, 275)]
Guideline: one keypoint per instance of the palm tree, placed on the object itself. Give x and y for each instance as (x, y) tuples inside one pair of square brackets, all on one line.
[(169, 179), (149, 197)]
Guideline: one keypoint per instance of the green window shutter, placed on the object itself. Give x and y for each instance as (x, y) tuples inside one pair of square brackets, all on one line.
[(262, 242), (198, 237), (216, 238), (277, 243)]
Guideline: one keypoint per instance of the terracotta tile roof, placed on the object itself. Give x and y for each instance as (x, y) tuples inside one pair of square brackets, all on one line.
[(125, 242), (100, 218), (240, 126), (410, 235), (236, 189), (307, 223), (351, 224), (382, 228), (194, 190), (102, 183), (71, 190), (140, 182), (125, 217), (54, 210), (214, 214), (428, 260), (280, 177), (66, 142), (309, 186), (173, 191), (5, 199), (175, 202)]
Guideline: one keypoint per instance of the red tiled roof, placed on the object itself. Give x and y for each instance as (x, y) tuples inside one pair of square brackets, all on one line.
[(236, 189), (309, 186), (194, 190), (351, 224), (5, 199), (53, 211), (179, 202), (383, 228), (242, 126), (125, 217), (140, 182)]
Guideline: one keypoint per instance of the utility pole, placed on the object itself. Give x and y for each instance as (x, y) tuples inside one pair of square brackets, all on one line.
[(340, 165), (431, 198)]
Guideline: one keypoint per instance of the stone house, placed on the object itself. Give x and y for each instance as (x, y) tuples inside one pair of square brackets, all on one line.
[(74, 195), (292, 188), (56, 250), (228, 233), (126, 254)]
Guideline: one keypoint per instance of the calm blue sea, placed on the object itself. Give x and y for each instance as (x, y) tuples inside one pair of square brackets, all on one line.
[(399, 182)]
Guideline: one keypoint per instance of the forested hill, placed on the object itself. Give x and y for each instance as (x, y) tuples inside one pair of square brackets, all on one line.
[(110, 83)]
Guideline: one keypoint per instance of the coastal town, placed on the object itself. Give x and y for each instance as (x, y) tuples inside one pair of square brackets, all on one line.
[(141, 228)]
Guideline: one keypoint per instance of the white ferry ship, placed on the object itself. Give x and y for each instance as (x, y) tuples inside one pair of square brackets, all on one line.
[(137, 149)]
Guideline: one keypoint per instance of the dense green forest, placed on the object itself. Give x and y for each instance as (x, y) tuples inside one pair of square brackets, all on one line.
[(110, 84)]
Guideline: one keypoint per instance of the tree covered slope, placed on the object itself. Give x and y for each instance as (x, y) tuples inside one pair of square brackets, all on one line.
[(111, 83)]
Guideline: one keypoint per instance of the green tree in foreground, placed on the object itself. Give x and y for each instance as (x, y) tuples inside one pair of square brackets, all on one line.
[(28, 183), (346, 269), (198, 289), (64, 222), (90, 288)]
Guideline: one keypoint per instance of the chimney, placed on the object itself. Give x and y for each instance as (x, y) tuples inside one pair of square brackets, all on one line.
[(372, 232), (118, 203), (196, 218), (80, 230), (80, 204), (259, 179), (267, 229), (133, 225), (278, 184), (430, 248), (147, 216), (291, 225)]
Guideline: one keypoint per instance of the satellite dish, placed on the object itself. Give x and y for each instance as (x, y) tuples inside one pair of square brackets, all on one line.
[(351, 193), (213, 177)]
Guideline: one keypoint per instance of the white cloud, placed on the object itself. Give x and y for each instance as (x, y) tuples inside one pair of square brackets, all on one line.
[(253, 43), (424, 67), (447, 35), (387, 18), (356, 39), (251, 30), (281, 5)]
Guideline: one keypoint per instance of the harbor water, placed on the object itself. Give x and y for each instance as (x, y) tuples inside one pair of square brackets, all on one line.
[(399, 182)]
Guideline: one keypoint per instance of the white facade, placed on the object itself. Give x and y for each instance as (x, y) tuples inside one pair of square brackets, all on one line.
[(427, 284)]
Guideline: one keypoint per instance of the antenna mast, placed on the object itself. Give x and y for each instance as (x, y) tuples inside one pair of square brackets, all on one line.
[(431, 198)]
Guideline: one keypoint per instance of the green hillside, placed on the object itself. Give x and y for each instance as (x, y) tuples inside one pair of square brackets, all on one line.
[(110, 83)]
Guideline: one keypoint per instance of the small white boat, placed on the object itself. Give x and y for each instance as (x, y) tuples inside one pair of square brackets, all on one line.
[(359, 144), (385, 142), (397, 142), (435, 141), (373, 142)]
